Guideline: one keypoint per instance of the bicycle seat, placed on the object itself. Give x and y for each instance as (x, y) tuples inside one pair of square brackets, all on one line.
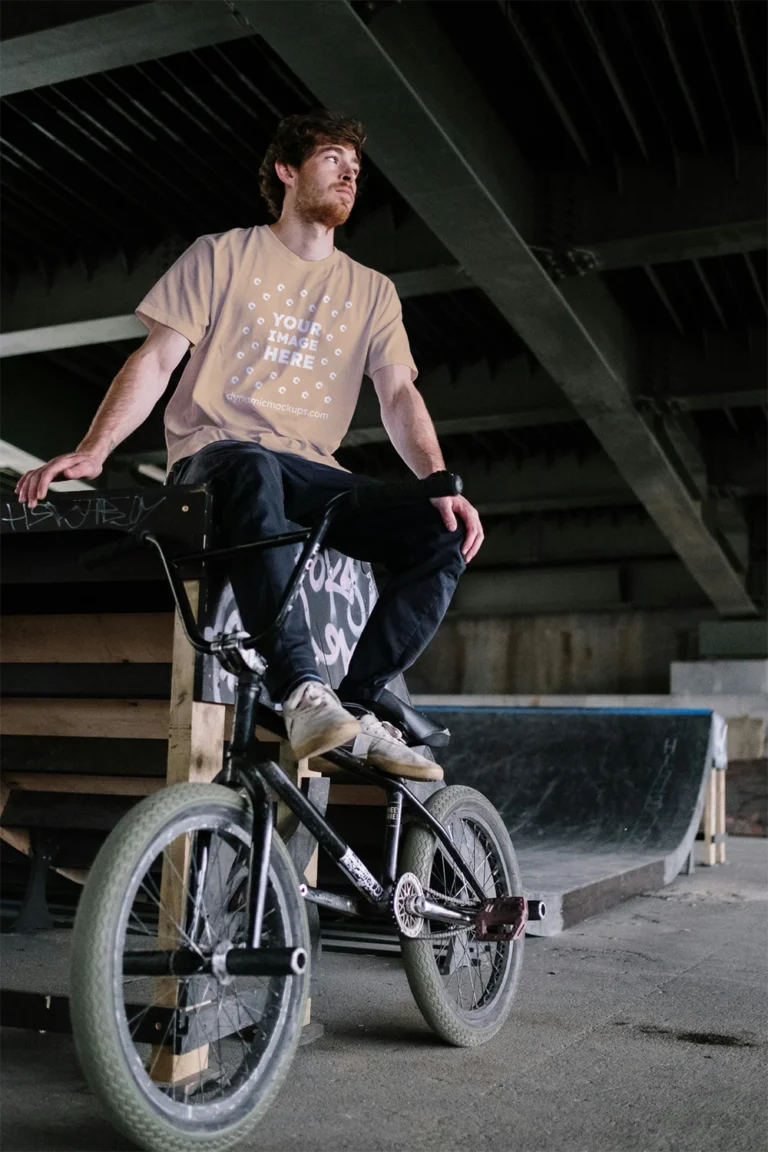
[(417, 728)]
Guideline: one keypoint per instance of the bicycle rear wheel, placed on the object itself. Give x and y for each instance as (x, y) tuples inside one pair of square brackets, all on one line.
[(463, 986), (184, 1062)]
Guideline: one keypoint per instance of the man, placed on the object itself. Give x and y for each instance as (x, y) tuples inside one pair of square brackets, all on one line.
[(283, 327)]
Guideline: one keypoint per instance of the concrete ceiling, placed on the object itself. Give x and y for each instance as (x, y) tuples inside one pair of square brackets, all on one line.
[(579, 186)]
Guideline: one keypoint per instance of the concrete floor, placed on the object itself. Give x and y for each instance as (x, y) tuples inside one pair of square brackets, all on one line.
[(644, 1029)]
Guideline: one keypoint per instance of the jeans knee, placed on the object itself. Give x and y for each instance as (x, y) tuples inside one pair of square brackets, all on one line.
[(444, 547), (454, 557)]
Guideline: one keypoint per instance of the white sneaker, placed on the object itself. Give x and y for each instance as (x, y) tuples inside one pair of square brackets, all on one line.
[(315, 721), (383, 745)]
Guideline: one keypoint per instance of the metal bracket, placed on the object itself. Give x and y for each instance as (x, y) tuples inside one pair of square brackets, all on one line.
[(34, 914), (560, 264)]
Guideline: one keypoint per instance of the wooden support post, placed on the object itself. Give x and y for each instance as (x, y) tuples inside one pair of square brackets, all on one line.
[(195, 748), (720, 826), (196, 730), (709, 819)]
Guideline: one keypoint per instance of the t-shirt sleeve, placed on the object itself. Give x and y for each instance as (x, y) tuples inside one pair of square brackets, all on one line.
[(182, 299), (389, 340)]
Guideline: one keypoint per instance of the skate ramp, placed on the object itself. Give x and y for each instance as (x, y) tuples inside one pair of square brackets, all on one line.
[(601, 803)]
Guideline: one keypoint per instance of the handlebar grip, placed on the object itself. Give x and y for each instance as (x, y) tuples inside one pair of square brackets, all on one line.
[(95, 557), (408, 491)]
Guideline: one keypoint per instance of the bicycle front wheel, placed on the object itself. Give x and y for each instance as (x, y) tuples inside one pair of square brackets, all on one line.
[(463, 986), (184, 1062)]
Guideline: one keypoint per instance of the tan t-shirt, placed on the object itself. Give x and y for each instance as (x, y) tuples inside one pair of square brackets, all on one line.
[(280, 344)]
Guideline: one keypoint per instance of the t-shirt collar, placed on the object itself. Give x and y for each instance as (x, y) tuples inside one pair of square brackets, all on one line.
[(291, 258)]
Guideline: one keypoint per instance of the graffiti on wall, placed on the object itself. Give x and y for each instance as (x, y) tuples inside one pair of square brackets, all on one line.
[(337, 598)]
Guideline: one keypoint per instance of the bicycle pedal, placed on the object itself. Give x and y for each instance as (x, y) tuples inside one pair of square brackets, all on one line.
[(502, 919)]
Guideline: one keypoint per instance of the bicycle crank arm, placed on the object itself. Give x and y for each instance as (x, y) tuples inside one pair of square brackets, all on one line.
[(432, 911), (224, 964)]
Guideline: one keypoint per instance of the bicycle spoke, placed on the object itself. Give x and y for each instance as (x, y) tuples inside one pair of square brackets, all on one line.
[(471, 970), (202, 1039)]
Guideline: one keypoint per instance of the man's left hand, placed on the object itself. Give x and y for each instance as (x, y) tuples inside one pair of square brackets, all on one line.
[(453, 507)]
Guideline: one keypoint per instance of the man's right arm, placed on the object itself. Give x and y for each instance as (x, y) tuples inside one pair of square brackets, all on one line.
[(132, 396)]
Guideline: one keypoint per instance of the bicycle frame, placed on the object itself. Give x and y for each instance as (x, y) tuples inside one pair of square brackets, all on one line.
[(247, 767)]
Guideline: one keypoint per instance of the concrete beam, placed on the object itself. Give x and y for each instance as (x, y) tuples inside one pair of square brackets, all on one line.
[(734, 471), (81, 305), (727, 372), (433, 134), (477, 398), (708, 209), (724, 371), (76, 335), (537, 484), (128, 36), (84, 305), (45, 411), (662, 583), (573, 538)]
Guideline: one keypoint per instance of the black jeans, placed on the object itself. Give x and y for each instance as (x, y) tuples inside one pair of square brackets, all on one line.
[(258, 493)]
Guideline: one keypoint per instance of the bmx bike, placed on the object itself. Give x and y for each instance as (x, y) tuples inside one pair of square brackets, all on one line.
[(190, 969)]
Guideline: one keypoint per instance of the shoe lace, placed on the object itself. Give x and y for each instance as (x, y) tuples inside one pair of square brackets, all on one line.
[(311, 695), (377, 727)]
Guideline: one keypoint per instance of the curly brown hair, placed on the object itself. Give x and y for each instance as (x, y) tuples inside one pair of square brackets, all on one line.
[(294, 142)]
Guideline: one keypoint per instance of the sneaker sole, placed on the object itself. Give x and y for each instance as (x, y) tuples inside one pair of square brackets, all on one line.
[(407, 771), (328, 739)]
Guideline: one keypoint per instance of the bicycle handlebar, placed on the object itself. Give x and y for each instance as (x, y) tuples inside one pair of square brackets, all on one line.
[(406, 491), (374, 496)]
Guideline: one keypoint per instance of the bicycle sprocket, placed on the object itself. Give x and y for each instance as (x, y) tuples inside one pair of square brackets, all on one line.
[(407, 891)]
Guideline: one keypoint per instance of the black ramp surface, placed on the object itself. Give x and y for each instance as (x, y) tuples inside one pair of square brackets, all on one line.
[(600, 803)]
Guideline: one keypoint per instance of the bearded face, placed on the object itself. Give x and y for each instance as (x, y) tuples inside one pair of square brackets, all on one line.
[(314, 205), (325, 186)]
